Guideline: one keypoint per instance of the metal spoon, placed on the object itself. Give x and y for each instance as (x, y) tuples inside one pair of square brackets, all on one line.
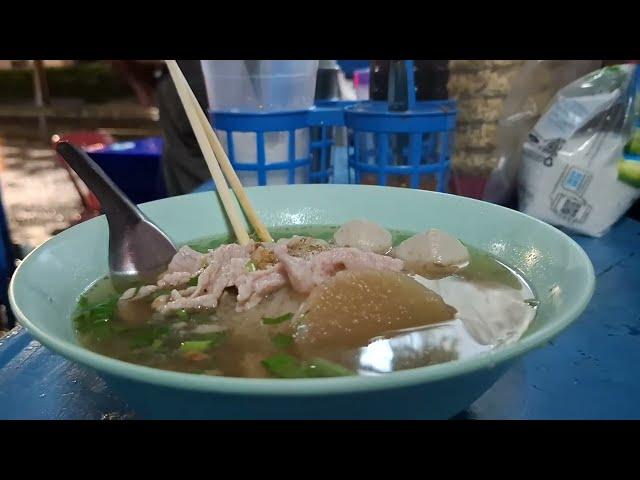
[(138, 250)]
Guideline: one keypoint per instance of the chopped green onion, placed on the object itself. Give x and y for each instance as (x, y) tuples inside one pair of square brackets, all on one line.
[(283, 366), (193, 282), (320, 367), (483, 267), (145, 336), (196, 345), (157, 343), (204, 246), (201, 317), (215, 337), (119, 328), (83, 302), (276, 320), (89, 317), (101, 330), (250, 266), (282, 341), (182, 314)]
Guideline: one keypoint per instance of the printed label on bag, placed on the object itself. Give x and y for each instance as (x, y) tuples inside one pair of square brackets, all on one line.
[(541, 150), (573, 180), (571, 209), (566, 197)]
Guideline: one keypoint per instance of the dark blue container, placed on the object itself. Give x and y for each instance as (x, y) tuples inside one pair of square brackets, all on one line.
[(135, 167)]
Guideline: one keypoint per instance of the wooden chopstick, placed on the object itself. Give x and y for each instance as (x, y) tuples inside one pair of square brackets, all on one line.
[(231, 175), (201, 136), (227, 168)]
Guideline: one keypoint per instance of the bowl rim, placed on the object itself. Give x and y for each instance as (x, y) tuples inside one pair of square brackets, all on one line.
[(312, 386)]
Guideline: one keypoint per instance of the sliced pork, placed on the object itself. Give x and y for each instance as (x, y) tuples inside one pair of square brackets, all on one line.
[(305, 274), (255, 271)]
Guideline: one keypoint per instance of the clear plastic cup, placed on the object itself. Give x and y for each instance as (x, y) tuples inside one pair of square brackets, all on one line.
[(250, 86)]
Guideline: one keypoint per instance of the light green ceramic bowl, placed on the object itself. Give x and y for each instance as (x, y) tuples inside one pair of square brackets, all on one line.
[(47, 284)]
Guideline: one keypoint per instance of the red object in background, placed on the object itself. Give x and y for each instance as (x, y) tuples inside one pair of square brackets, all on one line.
[(88, 140), (468, 185)]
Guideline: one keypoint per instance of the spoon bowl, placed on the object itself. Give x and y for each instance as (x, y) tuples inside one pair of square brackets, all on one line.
[(138, 250)]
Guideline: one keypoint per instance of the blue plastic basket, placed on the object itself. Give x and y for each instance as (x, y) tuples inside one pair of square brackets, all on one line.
[(324, 119), (412, 145), (260, 169), (410, 148)]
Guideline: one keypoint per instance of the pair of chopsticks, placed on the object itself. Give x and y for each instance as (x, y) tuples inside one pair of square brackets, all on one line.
[(218, 162)]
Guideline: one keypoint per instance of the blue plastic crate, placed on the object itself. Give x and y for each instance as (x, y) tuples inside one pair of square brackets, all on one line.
[(135, 166)]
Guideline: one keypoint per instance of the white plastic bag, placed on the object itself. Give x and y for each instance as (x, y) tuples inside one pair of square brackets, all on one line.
[(531, 92), (569, 171)]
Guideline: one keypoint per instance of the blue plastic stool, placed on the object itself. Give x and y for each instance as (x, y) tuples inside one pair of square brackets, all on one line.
[(410, 148)]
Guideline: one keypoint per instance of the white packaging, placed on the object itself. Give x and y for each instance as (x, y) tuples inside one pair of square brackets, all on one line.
[(569, 171)]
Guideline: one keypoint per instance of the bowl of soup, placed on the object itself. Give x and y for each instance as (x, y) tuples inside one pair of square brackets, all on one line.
[(370, 303)]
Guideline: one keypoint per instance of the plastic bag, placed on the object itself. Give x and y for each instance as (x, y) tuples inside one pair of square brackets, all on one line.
[(531, 92), (570, 160)]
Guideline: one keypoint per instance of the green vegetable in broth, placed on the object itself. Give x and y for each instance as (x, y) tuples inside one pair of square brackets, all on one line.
[(320, 367), (95, 319), (283, 365), (483, 267), (219, 338), (282, 341), (83, 302), (201, 317), (276, 320), (196, 345), (215, 338), (146, 335), (204, 246)]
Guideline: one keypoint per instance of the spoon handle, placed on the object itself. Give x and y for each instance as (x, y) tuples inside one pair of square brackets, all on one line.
[(114, 202)]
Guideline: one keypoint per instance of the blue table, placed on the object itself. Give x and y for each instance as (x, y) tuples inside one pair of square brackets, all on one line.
[(588, 372)]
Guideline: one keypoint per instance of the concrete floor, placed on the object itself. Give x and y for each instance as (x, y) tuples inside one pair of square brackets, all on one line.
[(38, 197)]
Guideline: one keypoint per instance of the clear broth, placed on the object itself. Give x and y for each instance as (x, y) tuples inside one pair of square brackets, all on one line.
[(246, 342)]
